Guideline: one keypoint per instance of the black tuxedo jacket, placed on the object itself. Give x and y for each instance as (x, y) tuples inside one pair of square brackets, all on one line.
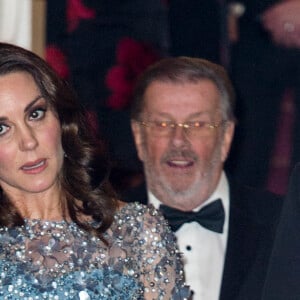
[(253, 220), (283, 278), (252, 223)]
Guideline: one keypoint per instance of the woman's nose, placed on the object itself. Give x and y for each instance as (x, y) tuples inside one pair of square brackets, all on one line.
[(28, 140)]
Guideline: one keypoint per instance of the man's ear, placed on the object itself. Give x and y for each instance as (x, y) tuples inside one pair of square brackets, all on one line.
[(227, 139), (138, 138)]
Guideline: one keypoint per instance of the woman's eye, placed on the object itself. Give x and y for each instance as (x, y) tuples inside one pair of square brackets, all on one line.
[(3, 129), (37, 114)]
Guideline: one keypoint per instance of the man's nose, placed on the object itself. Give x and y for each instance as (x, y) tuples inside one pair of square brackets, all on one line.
[(179, 135)]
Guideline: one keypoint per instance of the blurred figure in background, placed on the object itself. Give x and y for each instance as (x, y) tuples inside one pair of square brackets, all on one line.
[(283, 277), (263, 69), (283, 22)]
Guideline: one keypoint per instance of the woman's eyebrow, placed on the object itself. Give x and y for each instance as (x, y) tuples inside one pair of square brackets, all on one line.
[(28, 106)]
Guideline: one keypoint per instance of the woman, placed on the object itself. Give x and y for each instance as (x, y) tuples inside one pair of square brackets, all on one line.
[(61, 236)]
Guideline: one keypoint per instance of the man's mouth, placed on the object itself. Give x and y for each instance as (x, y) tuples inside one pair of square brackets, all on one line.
[(177, 163)]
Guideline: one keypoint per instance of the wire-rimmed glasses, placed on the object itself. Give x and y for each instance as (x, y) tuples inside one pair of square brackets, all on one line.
[(191, 128)]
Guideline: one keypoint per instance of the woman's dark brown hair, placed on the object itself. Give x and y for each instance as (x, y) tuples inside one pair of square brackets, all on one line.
[(81, 148)]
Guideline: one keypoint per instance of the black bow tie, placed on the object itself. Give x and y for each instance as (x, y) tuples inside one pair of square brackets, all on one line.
[(210, 216)]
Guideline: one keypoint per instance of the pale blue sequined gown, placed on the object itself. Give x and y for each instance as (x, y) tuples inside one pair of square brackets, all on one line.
[(58, 260)]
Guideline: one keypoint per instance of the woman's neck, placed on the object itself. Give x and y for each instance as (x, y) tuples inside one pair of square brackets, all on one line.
[(48, 205)]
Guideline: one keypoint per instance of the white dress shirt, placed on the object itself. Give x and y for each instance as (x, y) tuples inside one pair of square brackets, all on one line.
[(203, 250)]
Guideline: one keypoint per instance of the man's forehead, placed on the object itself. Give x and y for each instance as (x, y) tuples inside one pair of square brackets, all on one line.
[(181, 82), (192, 115), (191, 98)]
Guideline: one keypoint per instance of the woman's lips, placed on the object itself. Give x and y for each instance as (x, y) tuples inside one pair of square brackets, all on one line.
[(34, 167)]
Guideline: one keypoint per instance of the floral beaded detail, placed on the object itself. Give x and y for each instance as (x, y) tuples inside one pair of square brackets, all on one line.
[(58, 260)]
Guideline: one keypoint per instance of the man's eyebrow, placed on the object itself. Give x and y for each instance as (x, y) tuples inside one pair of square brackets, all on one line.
[(192, 115), (28, 106)]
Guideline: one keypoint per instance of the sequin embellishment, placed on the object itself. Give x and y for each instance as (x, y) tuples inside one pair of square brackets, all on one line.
[(58, 260)]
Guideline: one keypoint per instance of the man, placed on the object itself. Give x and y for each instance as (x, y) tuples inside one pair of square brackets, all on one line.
[(183, 124)]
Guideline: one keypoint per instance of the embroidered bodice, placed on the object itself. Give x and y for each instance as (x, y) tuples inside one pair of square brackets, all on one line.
[(58, 260)]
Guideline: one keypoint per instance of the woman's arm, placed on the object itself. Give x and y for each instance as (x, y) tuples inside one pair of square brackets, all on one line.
[(161, 261)]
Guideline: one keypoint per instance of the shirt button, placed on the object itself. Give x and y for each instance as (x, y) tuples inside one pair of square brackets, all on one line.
[(188, 248)]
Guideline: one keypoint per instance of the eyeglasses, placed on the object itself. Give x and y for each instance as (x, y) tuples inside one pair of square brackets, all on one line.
[(194, 129)]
